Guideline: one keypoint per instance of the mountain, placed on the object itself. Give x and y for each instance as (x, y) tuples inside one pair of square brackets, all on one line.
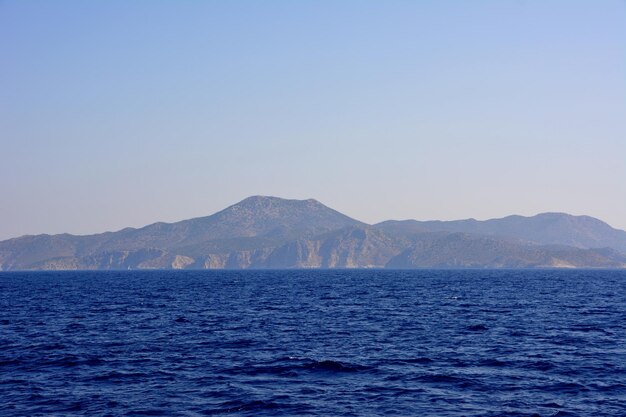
[(270, 232), (461, 250), (254, 223), (546, 228)]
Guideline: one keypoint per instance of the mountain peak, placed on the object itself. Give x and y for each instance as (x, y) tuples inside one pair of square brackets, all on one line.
[(272, 216), (260, 205), (268, 199)]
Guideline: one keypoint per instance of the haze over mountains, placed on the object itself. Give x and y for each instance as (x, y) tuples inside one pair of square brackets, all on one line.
[(270, 232)]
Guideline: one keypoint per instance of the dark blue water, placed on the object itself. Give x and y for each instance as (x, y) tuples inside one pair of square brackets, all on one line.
[(323, 343)]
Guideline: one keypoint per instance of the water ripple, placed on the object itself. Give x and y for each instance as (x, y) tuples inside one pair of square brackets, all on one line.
[(317, 343)]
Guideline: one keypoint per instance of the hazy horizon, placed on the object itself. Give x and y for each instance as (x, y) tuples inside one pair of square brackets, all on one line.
[(118, 114)]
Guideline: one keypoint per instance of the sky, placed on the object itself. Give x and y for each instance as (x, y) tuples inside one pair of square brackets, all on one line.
[(117, 113)]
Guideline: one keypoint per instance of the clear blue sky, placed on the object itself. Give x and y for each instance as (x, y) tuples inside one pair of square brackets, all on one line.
[(122, 113)]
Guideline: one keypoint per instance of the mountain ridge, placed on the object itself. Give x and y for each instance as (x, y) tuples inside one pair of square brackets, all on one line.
[(271, 232), (544, 228)]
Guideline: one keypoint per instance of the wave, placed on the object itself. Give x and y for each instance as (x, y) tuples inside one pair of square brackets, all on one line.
[(295, 366), (477, 328), (255, 406)]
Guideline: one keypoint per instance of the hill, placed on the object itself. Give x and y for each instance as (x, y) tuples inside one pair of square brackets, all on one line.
[(546, 228)]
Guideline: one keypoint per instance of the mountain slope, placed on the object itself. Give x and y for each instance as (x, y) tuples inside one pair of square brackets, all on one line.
[(460, 250), (269, 217), (546, 228), (352, 247)]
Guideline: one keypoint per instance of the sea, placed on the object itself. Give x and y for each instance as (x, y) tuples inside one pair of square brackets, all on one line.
[(313, 343)]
